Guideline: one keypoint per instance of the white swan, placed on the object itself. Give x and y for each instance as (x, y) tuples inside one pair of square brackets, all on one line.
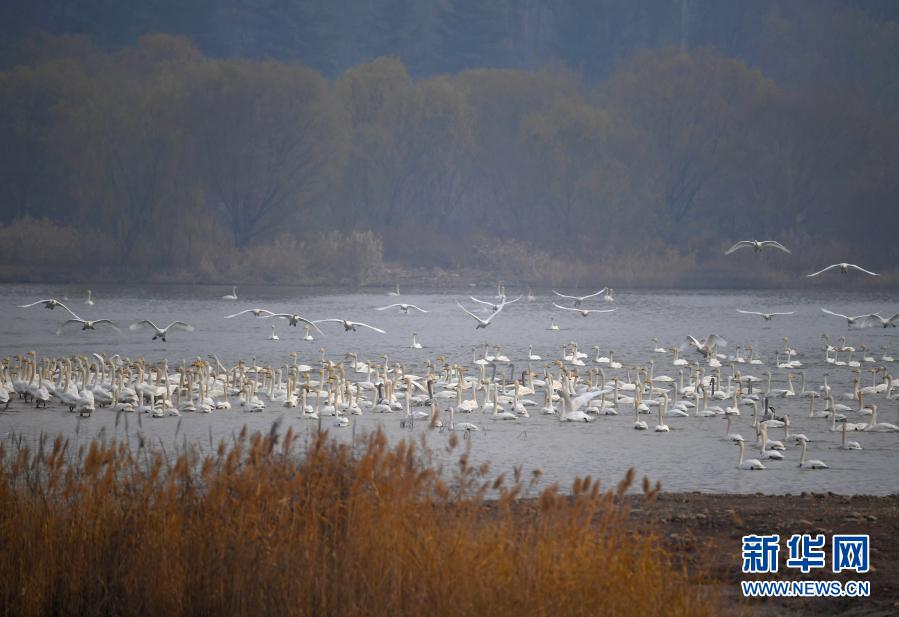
[(732, 436), (880, 427), (552, 324), (579, 299), (757, 246), (396, 291), (874, 319), (415, 343), (750, 464), (849, 320), (89, 301), (812, 464), (258, 312), (482, 323), (87, 324), (232, 295), (403, 307), (765, 316), (273, 337), (160, 333), (49, 303), (583, 312), (844, 269), (707, 345), (293, 319), (848, 445)]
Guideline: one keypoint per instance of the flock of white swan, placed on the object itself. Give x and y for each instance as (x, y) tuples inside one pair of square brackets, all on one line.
[(573, 386)]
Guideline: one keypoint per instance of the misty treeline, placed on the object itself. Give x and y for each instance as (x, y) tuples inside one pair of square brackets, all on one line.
[(157, 161)]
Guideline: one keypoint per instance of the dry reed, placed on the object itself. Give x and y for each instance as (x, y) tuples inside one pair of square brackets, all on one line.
[(269, 526)]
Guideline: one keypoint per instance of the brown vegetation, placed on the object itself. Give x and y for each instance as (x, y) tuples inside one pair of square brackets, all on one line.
[(267, 526)]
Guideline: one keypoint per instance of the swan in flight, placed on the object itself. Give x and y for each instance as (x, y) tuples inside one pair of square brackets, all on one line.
[(161, 332), (752, 463), (49, 303), (707, 345), (765, 316), (403, 307), (89, 301), (232, 295), (258, 312), (812, 464), (844, 269), (347, 324), (874, 319), (493, 306), (88, 324), (849, 320), (293, 319), (583, 312), (482, 323), (579, 299), (757, 246)]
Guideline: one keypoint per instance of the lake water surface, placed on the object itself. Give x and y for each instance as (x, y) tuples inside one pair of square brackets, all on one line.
[(693, 456)]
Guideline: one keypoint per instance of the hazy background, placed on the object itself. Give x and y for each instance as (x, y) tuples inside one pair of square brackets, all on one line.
[(358, 142)]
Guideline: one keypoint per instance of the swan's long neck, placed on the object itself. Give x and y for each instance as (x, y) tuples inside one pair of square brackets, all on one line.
[(742, 447)]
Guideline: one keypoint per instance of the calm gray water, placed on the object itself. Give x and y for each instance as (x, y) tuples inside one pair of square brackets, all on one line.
[(693, 456)]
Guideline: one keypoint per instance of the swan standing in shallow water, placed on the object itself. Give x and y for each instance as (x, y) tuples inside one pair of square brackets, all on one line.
[(232, 295), (844, 269), (160, 333), (552, 324), (272, 337), (90, 300), (415, 343), (757, 246)]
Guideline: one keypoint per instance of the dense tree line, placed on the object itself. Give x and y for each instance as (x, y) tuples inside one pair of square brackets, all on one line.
[(167, 160)]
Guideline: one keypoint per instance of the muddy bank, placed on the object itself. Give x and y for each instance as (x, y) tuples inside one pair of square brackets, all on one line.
[(708, 528)]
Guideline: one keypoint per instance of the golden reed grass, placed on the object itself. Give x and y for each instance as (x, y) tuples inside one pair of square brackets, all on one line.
[(269, 526)]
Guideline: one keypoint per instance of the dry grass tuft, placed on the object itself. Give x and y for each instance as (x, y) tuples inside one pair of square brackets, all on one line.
[(269, 526)]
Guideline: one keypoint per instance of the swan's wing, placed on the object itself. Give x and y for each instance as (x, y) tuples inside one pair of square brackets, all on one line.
[(787, 313), (108, 324), (867, 321), (835, 314), (738, 246), (752, 312), (511, 301), (598, 310), (180, 325), (315, 321), (713, 340), (418, 308), (577, 403), (565, 296), (860, 269), (68, 322), (365, 325), (594, 294), (467, 312), (566, 308), (141, 323), (39, 302), (824, 270), (893, 318), (693, 342), (389, 306), (776, 245), (481, 301)]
